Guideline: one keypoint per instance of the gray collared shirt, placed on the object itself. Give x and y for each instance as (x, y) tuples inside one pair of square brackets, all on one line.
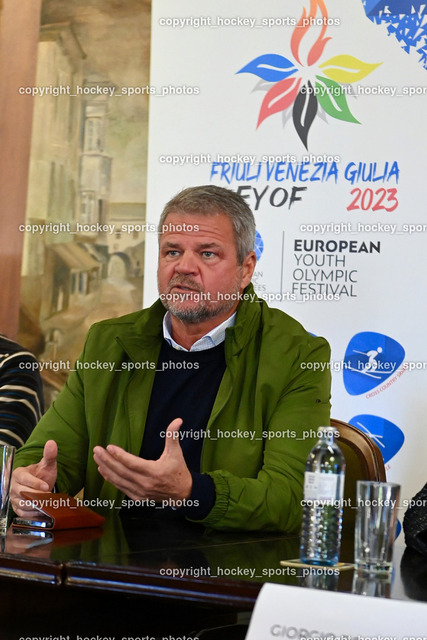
[(210, 340)]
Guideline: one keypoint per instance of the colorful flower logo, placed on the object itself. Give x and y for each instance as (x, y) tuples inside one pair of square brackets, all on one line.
[(307, 85)]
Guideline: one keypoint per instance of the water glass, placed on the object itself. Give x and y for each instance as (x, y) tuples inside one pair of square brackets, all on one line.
[(7, 453), (376, 520)]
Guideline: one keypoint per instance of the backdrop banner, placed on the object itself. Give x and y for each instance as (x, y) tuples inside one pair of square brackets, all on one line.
[(313, 111)]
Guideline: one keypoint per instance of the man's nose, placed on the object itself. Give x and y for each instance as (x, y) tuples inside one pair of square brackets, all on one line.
[(187, 263)]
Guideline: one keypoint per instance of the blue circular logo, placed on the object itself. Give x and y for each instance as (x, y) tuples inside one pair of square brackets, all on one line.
[(369, 360), (388, 437), (259, 245)]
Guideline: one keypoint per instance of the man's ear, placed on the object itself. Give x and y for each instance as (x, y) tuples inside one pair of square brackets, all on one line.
[(248, 267)]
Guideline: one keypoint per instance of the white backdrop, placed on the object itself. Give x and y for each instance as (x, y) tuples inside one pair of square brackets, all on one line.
[(203, 110)]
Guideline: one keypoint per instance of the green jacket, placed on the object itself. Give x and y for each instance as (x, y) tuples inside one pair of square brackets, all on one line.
[(273, 385)]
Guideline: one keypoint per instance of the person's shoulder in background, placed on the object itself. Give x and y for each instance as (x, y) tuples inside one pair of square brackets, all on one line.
[(415, 522), (21, 392)]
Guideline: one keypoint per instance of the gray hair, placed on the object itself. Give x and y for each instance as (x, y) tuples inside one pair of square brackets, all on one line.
[(210, 199)]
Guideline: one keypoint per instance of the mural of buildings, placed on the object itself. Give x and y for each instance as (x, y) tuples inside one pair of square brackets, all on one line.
[(127, 243), (78, 266)]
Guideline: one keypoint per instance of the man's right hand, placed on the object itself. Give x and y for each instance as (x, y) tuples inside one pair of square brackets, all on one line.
[(35, 477)]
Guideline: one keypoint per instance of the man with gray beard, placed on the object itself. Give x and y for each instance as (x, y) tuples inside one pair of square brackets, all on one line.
[(207, 360)]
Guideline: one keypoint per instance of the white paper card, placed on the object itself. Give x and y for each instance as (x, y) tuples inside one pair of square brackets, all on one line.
[(297, 613)]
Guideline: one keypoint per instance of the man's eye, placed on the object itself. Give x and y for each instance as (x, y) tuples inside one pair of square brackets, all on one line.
[(208, 254), (172, 253)]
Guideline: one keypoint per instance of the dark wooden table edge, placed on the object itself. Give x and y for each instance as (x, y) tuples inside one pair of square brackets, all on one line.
[(23, 568), (204, 590)]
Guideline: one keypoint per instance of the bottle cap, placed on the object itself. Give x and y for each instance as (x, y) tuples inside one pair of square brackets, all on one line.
[(327, 432)]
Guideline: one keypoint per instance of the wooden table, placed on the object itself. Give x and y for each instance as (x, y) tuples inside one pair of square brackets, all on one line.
[(153, 579)]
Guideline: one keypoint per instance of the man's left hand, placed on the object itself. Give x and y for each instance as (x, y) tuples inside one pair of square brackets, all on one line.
[(162, 479)]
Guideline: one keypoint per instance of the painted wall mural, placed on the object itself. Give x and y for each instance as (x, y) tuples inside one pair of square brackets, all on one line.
[(84, 234)]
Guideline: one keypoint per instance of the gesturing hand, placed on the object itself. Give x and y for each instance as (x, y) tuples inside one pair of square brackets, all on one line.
[(162, 479), (36, 477)]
